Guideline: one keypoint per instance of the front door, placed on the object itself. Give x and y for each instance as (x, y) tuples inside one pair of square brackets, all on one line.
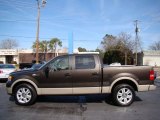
[(57, 77)]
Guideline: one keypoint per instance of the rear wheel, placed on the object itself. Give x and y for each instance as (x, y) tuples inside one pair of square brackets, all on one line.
[(123, 95), (25, 94)]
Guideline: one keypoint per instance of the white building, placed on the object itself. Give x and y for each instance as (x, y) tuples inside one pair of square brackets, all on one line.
[(151, 58), (8, 55)]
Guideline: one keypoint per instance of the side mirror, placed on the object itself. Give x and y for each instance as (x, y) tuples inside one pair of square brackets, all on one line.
[(46, 71)]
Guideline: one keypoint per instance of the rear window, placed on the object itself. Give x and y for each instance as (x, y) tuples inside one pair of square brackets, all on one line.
[(7, 66), (84, 62)]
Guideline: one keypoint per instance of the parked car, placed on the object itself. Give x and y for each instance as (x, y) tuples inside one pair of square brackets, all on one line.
[(36, 66), (115, 64), (5, 70), (25, 65), (79, 74)]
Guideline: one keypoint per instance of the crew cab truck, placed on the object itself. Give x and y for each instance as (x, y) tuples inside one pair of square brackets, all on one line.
[(80, 74)]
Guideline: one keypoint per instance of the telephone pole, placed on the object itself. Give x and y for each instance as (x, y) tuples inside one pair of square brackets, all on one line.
[(37, 33), (136, 40)]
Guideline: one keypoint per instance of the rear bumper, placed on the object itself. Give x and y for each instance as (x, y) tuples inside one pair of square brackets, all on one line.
[(146, 87), (152, 87)]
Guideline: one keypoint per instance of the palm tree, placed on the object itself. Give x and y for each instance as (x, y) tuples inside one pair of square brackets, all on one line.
[(34, 46), (54, 43), (43, 47)]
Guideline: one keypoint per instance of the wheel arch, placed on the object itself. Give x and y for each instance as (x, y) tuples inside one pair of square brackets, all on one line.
[(25, 81), (125, 80)]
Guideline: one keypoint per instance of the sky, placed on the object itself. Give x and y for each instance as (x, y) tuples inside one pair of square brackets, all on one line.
[(88, 20)]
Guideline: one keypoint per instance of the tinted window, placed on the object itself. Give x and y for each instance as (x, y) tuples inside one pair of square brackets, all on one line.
[(84, 62), (7, 66), (61, 63)]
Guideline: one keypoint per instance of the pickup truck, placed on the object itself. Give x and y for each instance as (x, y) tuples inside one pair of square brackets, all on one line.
[(80, 74)]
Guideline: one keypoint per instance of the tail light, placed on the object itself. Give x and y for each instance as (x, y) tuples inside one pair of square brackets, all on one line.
[(151, 75), (1, 71)]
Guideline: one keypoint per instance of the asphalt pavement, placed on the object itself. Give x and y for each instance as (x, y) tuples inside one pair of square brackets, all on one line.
[(91, 107)]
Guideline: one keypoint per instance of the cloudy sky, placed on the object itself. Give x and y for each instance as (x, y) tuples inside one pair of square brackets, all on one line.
[(89, 20)]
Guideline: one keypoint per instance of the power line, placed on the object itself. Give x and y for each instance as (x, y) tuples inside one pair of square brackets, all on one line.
[(17, 20), (84, 40), (16, 2)]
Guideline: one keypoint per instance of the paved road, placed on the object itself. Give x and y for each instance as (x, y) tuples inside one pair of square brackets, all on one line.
[(94, 107)]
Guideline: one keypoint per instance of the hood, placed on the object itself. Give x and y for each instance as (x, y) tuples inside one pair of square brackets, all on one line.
[(23, 72)]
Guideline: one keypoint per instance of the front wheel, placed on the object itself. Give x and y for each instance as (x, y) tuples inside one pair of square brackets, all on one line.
[(24, 94), (123, 95)]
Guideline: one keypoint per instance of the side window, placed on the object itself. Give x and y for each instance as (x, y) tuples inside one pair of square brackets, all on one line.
[(84, 62), (61, 63)]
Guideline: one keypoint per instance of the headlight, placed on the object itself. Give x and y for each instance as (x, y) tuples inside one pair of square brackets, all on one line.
[(10, 77)]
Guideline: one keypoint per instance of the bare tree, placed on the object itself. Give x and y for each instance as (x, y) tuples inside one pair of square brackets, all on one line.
[(126, 44), (8, 44), (109, 41), (121, 43), (155, 46)]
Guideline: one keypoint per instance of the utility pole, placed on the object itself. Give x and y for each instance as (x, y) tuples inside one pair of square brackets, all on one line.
[(136, 40), (37, 34)]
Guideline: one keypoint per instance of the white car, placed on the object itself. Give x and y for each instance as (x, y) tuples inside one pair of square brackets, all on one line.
[(115, 64), (5, 70)]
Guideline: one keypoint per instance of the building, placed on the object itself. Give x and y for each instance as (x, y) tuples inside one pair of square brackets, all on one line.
[(15, 56), (8, 55), (151, 58)]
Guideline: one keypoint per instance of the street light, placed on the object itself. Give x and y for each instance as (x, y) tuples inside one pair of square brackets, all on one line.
[(37, 34)]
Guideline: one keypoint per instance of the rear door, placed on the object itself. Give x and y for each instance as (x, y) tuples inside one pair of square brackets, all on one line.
[(86, 74)]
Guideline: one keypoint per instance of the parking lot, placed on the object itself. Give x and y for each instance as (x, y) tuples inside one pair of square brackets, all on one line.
[(92, 107)]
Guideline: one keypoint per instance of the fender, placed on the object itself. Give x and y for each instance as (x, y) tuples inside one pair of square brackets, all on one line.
[(123, 78), (29, 81), (108, 89)]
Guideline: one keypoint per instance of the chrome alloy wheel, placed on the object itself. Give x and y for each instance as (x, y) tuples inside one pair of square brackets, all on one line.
[(124, 96), (23, 95)]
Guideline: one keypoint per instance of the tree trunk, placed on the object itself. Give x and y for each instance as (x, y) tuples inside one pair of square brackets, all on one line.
[(125, 58)]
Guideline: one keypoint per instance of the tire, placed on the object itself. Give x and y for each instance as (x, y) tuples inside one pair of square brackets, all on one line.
[(123, 95), (25, 94)]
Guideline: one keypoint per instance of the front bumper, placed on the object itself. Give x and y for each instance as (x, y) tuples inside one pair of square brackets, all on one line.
[(8, 87), (9, 91)]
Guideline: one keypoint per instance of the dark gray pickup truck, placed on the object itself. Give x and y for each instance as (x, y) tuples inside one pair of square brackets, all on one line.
[(80, 74)]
